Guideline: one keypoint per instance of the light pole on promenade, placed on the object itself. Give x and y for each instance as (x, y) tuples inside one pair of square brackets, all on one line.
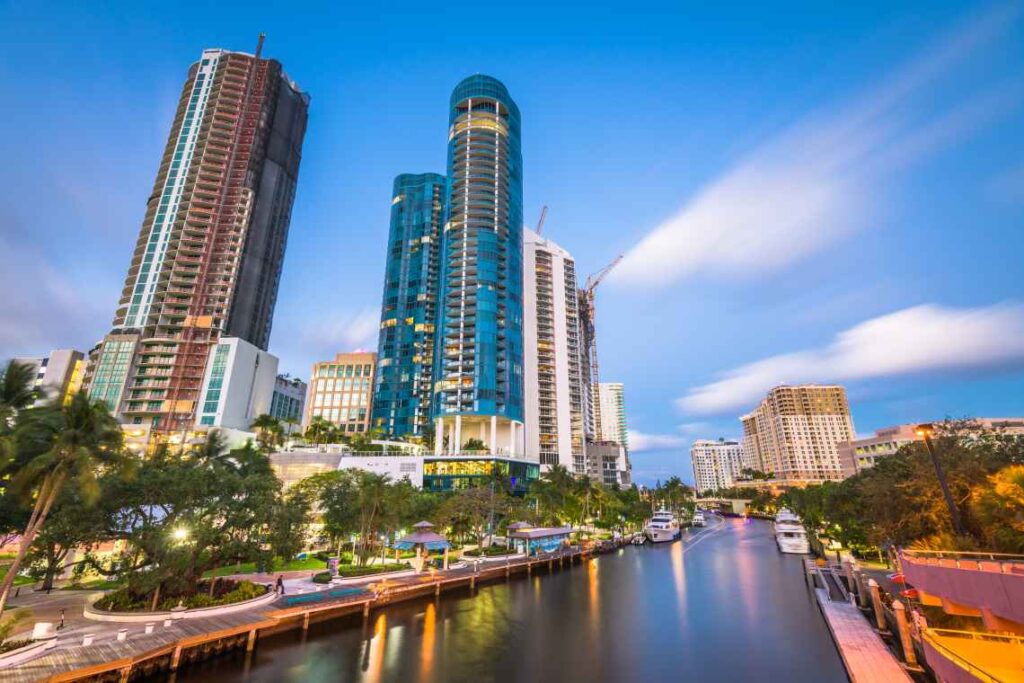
[(925, 431)]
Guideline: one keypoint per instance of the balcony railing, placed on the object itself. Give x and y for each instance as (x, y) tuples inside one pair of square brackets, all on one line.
[(967, 656)]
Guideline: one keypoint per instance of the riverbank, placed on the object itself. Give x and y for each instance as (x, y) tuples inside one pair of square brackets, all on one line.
[(169, 644)]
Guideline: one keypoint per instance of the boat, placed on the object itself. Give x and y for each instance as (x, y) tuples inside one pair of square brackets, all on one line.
[(698, 519), (663, 527), (790, 535)]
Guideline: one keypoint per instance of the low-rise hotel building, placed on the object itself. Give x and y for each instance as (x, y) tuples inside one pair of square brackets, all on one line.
[(341, 391)]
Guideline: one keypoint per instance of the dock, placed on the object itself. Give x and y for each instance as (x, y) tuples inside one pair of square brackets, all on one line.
[(181, 641), (865, 655)]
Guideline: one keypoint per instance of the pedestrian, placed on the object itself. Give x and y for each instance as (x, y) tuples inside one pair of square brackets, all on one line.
[(280, 584), (61, 620)]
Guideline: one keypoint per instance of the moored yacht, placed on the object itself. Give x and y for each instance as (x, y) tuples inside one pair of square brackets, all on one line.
[(790, 535), (663, 527), (698, 519)]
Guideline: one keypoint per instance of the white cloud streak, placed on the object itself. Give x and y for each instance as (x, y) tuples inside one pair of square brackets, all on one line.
[(807, 187), (920, 339), (641, 441)]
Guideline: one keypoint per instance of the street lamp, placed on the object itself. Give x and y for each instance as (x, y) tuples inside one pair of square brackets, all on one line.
[(925, 431)]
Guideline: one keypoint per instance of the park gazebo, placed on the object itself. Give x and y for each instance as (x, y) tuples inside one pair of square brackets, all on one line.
[(424, 539)]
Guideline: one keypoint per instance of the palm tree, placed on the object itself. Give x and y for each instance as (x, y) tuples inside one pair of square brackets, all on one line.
[(83, 438), (16, 394), (319, 430), (267, 429)]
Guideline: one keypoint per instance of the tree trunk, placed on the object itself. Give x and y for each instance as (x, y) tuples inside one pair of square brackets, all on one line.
[(47, 494), (156, 597), (213, 581)]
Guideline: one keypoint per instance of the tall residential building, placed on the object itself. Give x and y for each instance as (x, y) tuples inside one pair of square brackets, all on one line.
[(609, 401), (795, 433), (341, 391), (289, 400), (716, 464), (238, 385), (208, 258), (478, 373), (408, 319), (554, 375), (57, 376)]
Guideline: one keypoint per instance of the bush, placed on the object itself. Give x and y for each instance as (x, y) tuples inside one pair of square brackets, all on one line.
[(225, 593), (322, 577)]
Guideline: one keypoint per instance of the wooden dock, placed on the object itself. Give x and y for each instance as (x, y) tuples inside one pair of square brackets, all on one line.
[(184, 640), (864, 653)]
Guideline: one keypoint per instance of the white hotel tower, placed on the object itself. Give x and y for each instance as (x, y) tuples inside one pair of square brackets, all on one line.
[(554, 380)]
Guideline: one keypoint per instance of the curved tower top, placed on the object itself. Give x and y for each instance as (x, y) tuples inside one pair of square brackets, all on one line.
[(478, 371)]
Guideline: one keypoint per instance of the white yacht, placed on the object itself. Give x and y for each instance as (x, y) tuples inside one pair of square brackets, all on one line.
[(698, 519), (663, 527), (790, 534)]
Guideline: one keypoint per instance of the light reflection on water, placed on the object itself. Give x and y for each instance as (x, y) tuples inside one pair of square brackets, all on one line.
[(730, 609)]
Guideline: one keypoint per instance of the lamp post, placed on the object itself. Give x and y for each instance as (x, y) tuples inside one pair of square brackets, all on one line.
[(925, 431)]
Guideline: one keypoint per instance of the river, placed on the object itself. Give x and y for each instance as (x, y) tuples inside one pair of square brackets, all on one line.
[(721, 605)]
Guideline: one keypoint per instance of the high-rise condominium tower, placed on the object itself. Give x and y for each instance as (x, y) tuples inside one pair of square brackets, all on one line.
[(795, 433), (555, 383), (478, 373), (612, 409), (208, 257), (408, 319), (716, 464)]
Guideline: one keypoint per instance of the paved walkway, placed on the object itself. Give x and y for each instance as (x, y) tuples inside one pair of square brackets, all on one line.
[(865, 655), (69, 654)]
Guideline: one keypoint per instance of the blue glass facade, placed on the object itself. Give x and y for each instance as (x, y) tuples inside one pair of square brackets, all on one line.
[(405, 351), (478, 368)]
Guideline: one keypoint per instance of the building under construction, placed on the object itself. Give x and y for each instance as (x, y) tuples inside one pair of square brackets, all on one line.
[(208, 258)]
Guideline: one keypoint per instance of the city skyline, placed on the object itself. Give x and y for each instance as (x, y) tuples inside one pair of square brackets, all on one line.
[(835, 305)]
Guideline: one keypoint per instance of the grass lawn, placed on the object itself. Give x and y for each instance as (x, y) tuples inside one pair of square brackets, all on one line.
[(18, 580), (94, 585), (309, 564)]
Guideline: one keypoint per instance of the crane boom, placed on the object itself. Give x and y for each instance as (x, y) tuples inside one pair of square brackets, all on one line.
[(543, 215)]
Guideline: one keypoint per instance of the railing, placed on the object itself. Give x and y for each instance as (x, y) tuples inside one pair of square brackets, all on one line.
[(964, 555), (931, 637)]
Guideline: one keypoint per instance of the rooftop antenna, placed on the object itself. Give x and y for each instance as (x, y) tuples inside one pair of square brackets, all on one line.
[(259, 44)]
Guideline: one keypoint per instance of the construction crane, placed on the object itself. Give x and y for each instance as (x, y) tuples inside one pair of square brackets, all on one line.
[(543, 215), (590, 321)]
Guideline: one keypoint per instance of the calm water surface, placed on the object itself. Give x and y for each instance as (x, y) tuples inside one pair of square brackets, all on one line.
[(720, 606)]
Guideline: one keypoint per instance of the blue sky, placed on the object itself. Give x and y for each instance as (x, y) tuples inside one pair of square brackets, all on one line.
[(830, 192)]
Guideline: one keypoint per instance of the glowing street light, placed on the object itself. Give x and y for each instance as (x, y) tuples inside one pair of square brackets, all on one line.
[(925, 431)]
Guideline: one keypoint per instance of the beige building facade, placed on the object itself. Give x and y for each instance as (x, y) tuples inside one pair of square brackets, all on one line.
[(795, 432), (341, 391)]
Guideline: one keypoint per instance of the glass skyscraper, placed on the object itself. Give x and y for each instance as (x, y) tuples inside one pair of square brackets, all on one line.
[(478, 373), (405, 351)]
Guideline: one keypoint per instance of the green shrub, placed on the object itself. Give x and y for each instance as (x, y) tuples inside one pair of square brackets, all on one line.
[(225, 593), (322, 577)]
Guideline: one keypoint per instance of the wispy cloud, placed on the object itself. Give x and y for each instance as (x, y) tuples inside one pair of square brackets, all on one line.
[(641, 441), (925, 338), (43, 308), (345, 332), (808, 186)]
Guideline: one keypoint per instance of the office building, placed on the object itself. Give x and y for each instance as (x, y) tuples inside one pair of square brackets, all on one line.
[(341, 391), (554, 372), (716, 464), (861, 454), (208, 257), (289, 401), (58, 375), (608, 463), (478, 373), (795, 433), (408, 321), (238, 385)]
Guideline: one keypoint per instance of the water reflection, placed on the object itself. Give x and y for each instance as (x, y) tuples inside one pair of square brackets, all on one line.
[(730, 608)]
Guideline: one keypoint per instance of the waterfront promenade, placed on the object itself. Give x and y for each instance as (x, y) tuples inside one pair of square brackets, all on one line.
[(168, 645)]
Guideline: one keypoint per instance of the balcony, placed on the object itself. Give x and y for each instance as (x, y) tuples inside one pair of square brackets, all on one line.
[(967, 657), (984, 585)]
